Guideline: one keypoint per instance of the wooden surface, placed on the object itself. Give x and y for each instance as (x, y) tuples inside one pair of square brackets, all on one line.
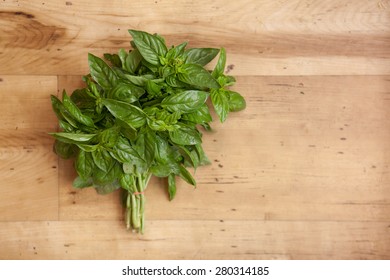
[(302, 173)]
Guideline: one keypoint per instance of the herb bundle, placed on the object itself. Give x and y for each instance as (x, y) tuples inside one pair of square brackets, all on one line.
[(139, 115)]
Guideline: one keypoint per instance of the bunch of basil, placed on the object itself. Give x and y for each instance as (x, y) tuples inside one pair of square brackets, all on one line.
[(140, 116)]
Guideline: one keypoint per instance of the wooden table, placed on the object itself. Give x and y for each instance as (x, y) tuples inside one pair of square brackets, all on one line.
[(302, 173)]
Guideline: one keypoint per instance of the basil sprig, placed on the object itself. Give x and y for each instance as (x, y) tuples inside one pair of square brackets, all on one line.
[(139, 115)]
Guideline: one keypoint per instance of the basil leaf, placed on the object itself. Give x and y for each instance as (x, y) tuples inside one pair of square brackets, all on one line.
[(75, 111), (73, 138), (102, 159), (220, 66), (66, 127), (87, 148), (137, 80), (114, 59), (200, 56), (107, 181), (127, 181), (127, 130), (236, 101), (84, 164), (185, 101), (196, 75), (109, 137), (190, 156), (128, 113), (125, 153), (186, 175), (151, 47), (177, 51), (64, 150), (171, 186), (162, 149), (82, 99), (174, 82), (199, 116), (221, 104), (122, 54), (107, 188), (145, 145), (203, 159), (132, 61), (164, 169), (57, 107), (184, 135), (101, 72), (126, 92), (80, 183)]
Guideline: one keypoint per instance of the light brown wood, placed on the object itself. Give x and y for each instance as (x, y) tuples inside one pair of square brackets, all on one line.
[(261, 37), (302, 173), (208, 239)]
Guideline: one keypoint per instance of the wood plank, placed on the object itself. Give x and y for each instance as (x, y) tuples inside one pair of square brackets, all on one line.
[(280, 37), (28, 167), (207, 239), (304, 149)]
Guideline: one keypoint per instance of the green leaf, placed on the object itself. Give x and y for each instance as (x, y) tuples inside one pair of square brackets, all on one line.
[(176, 51), (152, 88), (199, 116), (66, 127), (102, 159), (186, 175), (171, 186), (221, 103), (104, 189), (196, 75), (126, 92), (145, 145), (174, 82), (127, 130), (163, 152), (164, 169), (57, 107), (75, 111), (200, 56), (132, 61), (151, 47), (84, 164), (157, 125), (185, 135), (122, 54), (137, 80), (185, 101), (109, 137), (107, 181), (101, 72), (125, 153), (220, 66), (64, 150), (87, 148), (236, 101), (82, 99), (190, 156), (80, 183), (114, 59), (73, 138), (203, 159), (128, 113)]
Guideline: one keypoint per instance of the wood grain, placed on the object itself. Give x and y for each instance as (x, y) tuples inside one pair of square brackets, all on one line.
[(279, 37), (302, 173), (28, 168), (195, 240)]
